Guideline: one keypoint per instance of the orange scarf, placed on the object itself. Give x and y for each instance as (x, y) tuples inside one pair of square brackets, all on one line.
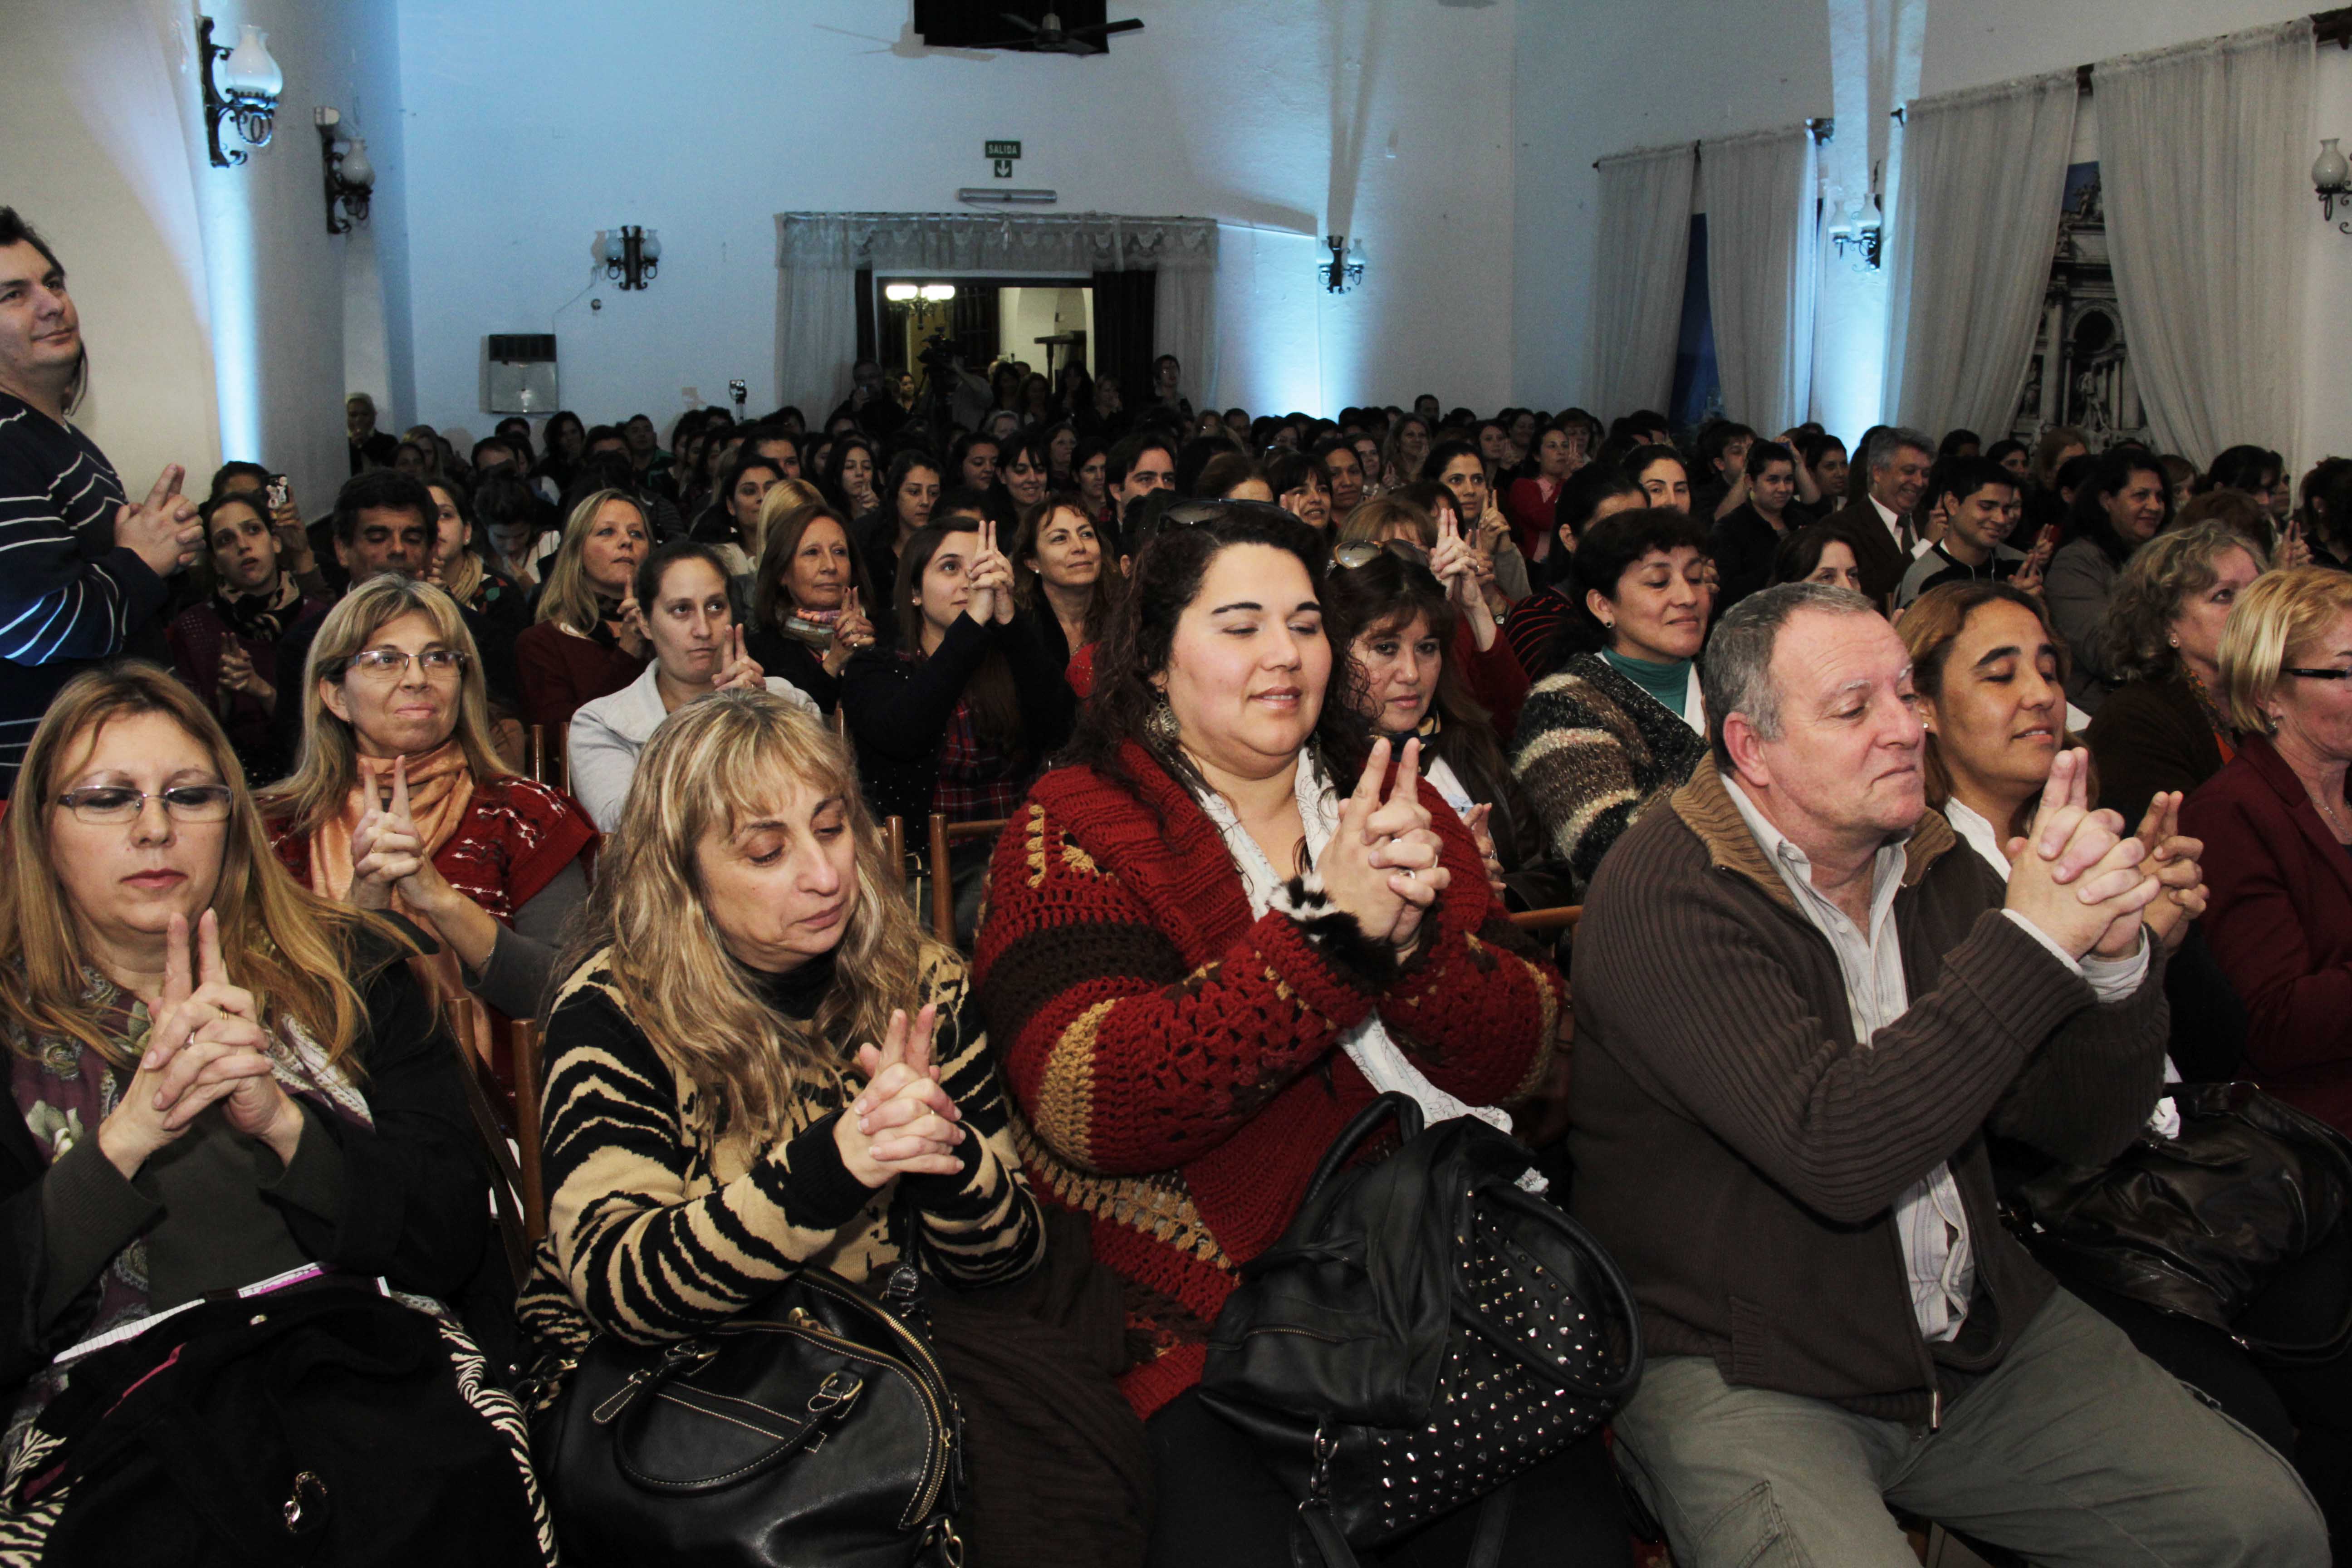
[(440, 789)]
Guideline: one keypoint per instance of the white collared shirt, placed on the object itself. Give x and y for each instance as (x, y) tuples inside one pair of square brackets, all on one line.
[(1893, 521)]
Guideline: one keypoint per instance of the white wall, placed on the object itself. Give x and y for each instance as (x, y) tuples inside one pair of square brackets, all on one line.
[(532, 124), (97, 162), (213, 299)]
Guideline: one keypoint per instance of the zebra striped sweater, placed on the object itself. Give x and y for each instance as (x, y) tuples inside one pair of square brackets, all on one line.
[(656, 1229)]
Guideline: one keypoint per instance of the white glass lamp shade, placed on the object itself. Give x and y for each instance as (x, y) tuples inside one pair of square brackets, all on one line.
[(614, 251), (250, 71), (900, 293), (2331, 170), (650, 246), (355, 169), (938, 293)]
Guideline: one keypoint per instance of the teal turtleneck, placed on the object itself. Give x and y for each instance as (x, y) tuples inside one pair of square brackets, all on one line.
[(1669, 683)]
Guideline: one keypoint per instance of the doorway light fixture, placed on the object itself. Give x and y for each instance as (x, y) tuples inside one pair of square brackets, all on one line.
[(1345, 269), (2331, 182)]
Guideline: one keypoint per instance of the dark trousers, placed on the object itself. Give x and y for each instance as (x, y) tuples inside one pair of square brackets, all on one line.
[(1216, 1504)]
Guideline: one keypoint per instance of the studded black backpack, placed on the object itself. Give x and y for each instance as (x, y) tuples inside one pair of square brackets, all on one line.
[(1425, 1330)]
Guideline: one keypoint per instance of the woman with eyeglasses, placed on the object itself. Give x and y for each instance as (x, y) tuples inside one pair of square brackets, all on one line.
[(222, 1079), (1620, 725), (399, 802), (587, 642), (1215, 932), (2277, 829)]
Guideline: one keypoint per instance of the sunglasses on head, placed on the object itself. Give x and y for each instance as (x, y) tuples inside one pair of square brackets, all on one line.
[(1358, 553)]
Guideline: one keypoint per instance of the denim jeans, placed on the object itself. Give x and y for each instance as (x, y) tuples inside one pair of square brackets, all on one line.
[(2077, 1450)]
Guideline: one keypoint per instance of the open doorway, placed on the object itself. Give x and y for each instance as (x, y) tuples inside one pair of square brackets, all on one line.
[(1045, 323)]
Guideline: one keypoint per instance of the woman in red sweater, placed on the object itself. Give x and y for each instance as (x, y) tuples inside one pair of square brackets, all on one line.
[(1210, 938)]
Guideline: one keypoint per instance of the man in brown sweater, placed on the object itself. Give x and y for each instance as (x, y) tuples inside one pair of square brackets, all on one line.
[(1801, 1005)]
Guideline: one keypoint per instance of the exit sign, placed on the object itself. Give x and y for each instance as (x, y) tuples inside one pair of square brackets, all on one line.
[(1003, 150)]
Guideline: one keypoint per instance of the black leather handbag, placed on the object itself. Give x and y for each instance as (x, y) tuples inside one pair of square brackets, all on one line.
[(2201, 1224), (1424, 1331), (812, 1430)]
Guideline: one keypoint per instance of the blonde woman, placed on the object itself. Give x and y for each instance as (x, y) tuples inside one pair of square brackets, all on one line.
[(399, 800), (219, 1077), (589, 641), (758, 1051)]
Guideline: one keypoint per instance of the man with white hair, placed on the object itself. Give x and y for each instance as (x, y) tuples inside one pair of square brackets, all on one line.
[(1802, 1004)]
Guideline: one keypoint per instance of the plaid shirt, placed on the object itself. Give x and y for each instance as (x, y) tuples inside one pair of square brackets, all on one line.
[(977, 783)]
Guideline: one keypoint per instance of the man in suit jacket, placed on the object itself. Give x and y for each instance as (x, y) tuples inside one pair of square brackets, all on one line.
[(1880, 522)]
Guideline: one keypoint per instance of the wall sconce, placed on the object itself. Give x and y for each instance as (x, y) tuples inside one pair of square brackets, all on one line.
[(245, 88), (1858, 232), (631, 254), (2331, 180), (1345, 267), (905, 295), (350, 176)]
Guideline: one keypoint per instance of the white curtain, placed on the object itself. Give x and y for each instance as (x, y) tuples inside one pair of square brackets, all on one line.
[(1762, 273), (2203, 153), (816, 309), (1184, 308), (1984, 177), (1637, 277), (819, 256)]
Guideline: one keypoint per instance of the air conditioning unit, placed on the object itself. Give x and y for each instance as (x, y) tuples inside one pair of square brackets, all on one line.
[(519, 373)]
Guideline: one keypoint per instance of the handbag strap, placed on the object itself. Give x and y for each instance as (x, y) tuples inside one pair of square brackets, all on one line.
[(1399, 1108)]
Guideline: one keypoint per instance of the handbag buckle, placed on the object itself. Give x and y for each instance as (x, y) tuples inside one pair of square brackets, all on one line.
[(837, 1389), (676, 1356)]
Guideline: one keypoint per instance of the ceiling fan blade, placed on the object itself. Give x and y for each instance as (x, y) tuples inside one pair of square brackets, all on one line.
[(1023, 23), (1029, 44), (1103, 29)]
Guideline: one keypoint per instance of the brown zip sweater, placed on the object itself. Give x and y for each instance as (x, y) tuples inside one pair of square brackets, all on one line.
[(1740, 1155)]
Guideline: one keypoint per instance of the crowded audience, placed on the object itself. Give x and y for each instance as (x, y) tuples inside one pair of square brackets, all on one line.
[(1877, 829)]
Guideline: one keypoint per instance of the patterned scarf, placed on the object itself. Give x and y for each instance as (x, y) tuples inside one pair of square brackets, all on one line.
[(259, 617)]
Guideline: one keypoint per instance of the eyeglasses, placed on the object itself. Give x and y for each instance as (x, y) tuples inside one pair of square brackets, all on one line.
[(110, 805), (2318, 674), (1358, 553), (388, 665)]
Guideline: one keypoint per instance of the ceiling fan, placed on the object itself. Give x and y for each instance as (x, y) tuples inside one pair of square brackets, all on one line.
[(1046, 36)]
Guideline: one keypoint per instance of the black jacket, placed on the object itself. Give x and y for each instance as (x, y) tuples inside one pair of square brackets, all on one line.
[(899, 709), (415, 1201)]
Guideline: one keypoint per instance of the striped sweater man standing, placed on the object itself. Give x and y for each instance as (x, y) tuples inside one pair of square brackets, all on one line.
[(80, 570)]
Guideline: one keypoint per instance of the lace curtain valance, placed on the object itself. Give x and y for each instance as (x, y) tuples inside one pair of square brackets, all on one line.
[(968, 242)]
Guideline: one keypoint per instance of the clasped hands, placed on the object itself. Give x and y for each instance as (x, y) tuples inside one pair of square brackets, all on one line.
[(206, 1045), (388, 850), (1382, 863), (2092, 890), (902, 1123)]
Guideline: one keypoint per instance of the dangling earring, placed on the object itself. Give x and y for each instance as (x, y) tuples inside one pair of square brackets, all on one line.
[(2171, 641), (1161, 729)]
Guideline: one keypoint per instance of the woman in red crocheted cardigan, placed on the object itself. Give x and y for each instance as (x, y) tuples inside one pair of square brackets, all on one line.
[(1204, 952)]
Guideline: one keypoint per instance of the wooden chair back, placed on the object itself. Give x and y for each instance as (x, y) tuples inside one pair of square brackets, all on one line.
[(544, 758), (523, 1045), (1543, 921), (944, 835)]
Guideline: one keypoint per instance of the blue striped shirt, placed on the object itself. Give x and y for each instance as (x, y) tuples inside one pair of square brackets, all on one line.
[(69, 597)]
